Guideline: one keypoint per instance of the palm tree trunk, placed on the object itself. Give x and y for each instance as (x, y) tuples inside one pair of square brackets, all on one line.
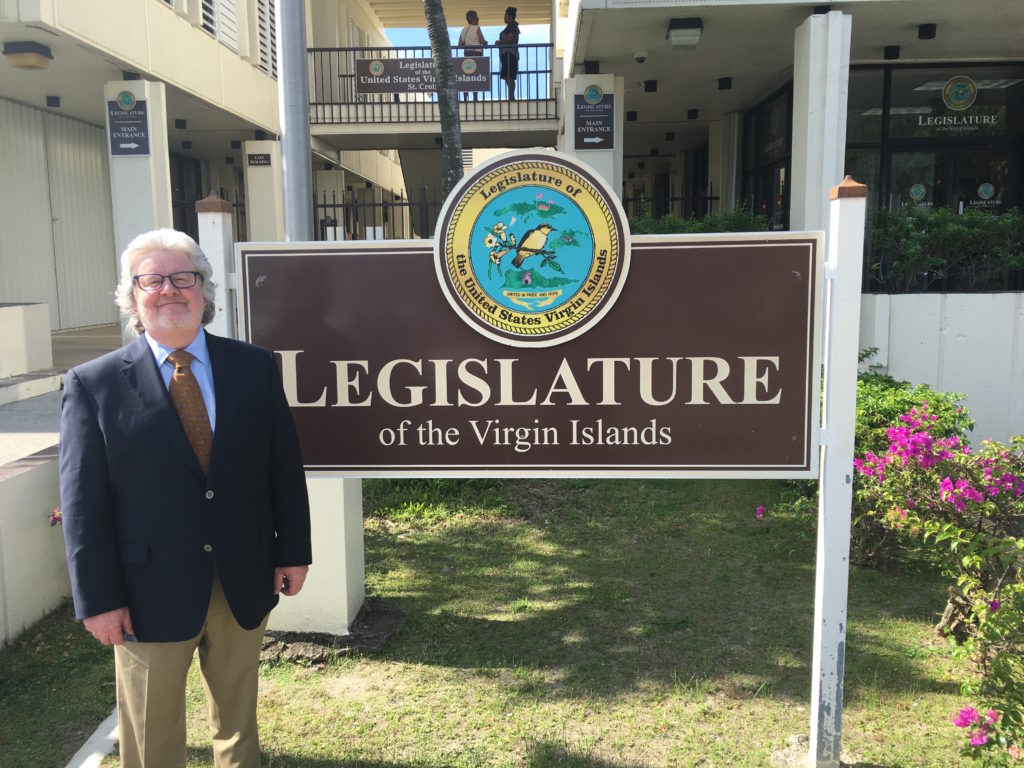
[(447, 98)]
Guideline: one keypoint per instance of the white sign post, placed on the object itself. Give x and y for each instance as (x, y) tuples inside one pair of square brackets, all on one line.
[(841, 312)]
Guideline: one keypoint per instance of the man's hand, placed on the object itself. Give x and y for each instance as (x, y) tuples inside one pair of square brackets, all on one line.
[(111, 627), (289, 580)]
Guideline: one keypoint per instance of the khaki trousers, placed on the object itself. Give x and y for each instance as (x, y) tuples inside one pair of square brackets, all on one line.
[(151, 693)]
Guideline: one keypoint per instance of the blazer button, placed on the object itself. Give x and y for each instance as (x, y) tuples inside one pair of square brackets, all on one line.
[(209, 494), (207, 547)]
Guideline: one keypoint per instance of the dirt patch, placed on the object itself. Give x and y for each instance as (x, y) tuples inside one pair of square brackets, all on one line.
[(376, 625)]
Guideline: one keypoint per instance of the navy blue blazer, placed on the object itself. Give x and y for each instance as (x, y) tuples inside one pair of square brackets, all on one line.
[(143, 527)]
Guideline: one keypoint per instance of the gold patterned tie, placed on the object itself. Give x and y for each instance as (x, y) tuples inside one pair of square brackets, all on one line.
[(188, 400)]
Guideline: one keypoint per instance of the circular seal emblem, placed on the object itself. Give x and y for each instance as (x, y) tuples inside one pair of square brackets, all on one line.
[(532, 248), (986, 190), (593, 94), (918, 192), (376, 67), (126, 100), (959, 92), (469, 66)]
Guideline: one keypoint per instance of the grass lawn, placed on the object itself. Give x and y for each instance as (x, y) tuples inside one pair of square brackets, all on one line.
[(592, 624)]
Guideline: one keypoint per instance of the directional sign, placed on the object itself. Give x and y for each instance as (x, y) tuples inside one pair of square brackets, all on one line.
[(128, 126), (595, 119)]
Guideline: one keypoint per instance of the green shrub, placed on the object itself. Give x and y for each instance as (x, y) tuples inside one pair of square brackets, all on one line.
[(734, 220), (923, 249)]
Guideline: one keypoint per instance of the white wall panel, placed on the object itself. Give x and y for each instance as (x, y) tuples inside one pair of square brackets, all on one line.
[(26, 242), (83, 236), (970, 343)]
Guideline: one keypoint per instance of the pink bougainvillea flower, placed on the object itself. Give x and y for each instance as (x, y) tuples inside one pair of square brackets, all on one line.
[(759, 512), (979, 737), (56, 518), (966, 717), (993, 606), (992, 716)]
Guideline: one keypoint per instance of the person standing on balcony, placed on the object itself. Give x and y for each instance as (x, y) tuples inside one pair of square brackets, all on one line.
[(471, 36), (508, 43), (184, 507)]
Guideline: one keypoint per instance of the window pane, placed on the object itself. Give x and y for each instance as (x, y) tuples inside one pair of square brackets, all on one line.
[(986, 179), (864, 107), (957, 103), (918, 180)]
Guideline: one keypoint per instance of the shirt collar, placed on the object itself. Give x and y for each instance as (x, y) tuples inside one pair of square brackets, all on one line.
[(197, 348)]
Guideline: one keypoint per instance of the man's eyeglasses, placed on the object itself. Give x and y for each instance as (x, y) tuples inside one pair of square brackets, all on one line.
[(153, 283)]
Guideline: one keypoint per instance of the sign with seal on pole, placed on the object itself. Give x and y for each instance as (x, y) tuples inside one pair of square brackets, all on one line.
[(537, 337)]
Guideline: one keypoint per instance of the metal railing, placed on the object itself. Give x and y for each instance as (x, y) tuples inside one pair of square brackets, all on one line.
[(337, 95), (350, 218)]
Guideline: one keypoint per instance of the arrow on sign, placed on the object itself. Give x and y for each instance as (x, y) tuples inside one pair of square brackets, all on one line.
[(593, 140), (129, 146)]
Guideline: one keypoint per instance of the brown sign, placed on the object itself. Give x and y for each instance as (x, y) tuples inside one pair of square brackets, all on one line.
[(472, 73), (706, 366)]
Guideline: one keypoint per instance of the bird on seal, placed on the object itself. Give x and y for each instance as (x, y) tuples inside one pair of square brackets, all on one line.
[(533, 243)]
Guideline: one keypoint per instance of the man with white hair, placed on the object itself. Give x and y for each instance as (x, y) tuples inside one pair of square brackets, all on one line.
[(184, 505)]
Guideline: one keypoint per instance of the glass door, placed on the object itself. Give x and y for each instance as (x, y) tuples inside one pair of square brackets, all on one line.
[(917, 179), (986, 178)]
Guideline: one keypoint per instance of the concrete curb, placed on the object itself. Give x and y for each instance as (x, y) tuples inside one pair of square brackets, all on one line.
[(100, 744)]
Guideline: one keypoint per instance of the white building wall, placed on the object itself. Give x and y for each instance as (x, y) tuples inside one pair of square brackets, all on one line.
[(26, 237), (83, 235), (970, 343)]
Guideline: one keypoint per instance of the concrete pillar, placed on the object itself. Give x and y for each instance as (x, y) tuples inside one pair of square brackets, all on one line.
[(215, 239), (607, 161), (264, 191), (731, 160), (715, 165), (140, 180), (821, 81), (334, 589)]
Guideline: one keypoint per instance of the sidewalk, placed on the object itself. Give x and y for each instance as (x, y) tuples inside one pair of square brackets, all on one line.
[(31, 424)]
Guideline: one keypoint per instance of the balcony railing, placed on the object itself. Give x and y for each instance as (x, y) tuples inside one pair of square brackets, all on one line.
[(342, 81)]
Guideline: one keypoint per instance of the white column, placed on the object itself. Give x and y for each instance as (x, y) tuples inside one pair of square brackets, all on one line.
[(334, 589), (716, 151), (731, 149), (607, 162), (821, 75), (218, 244), (264, 191), (140, 184), (841, 300)]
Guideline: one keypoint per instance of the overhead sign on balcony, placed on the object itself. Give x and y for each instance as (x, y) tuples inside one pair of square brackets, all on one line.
[(128, 125), (472, 73), (595, 119)]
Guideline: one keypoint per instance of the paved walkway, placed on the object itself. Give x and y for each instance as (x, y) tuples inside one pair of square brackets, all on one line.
[(29, 425)]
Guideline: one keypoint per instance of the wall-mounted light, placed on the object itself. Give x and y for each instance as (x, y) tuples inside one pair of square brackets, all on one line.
[(670, 136), (725, 83), (186, 145), (654, 151), (641, 165), (650, 86), (26, 54), (684, 33), (591, 67), (229, 160), (692, 114), (926, 31), (891, 52), (180, 124), (631, 116), (259, 135), (236, 144), (53, 102), (369, 185), (126, 75)]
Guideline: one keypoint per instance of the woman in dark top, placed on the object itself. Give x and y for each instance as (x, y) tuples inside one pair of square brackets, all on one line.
[(508, 42)]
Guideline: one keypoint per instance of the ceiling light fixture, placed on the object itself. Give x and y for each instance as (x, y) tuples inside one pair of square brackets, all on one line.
[(684, 33), (926, 31), (891, 52), (27, 54), (692, 114), (724, 83)]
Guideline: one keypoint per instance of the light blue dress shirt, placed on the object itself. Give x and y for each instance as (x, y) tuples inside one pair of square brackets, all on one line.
[(201, 369)]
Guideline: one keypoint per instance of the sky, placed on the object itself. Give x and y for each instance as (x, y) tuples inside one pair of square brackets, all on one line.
[(528, 33)]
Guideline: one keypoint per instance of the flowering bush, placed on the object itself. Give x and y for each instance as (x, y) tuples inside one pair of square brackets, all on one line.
[(934, 491)]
